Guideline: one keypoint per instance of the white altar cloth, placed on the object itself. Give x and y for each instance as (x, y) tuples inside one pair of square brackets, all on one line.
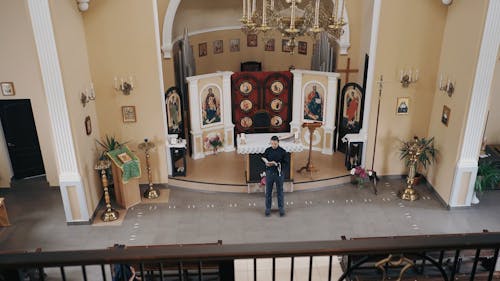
[(257, 143)]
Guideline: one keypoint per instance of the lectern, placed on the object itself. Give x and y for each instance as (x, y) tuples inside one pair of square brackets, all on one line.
[(309, 166), (126, 171)]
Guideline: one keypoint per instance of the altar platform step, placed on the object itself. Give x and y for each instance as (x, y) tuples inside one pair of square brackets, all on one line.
[(225, 172)]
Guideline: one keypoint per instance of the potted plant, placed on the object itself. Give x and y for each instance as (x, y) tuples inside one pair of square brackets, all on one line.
[(426, 154), (488, 175)]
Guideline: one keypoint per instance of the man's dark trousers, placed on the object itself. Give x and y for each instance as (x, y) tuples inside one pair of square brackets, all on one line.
[(271, 178)]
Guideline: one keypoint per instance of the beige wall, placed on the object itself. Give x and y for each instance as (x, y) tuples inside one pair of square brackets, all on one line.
[(458, 59), (121, 41), (230, 61), (72, 51), (359, 32), (410, 35), (20, 65), (492, 133)]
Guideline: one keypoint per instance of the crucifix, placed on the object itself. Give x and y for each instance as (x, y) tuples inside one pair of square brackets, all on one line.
[(347, 70)]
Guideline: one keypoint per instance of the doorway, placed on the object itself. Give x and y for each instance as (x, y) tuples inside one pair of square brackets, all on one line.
[(21, 138)]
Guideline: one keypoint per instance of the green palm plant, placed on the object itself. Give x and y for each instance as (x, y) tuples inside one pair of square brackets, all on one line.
[(427, 151), (488, 175)]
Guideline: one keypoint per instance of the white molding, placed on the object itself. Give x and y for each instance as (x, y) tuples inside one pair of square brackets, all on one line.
[(64, 147), (370, 77), (168, 24), (315, 72), (206, 30), (476, 116)]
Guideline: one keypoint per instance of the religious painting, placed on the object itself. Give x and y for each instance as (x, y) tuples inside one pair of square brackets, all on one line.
[(445, 116), (276, 104), (245, 88), (234, 45), (252, 40), (7, 88), (218, 46), (246, 105), (276, 121), (285, 46), (302, 48), (402, 106), (350, 112), (128, 114), (314, 100), (202, 49), (174, 110), (246, 122), (210, 106), (269, 45), (277, 87), (88, 126)]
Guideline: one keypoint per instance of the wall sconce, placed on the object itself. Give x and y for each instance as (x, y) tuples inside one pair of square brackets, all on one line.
[(446, 86), (125, 86), (407, 77), (87, 95)]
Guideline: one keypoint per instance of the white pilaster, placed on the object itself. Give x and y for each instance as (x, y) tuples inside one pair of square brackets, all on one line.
[(194, 101), (370, 77), (297, 96), (54, 90), (331, 109), (228, 123), (476, 116)]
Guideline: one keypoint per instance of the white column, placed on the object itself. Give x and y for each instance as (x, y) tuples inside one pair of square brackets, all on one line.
[(371, 76), (330, 108), (69, 176), (228, 123), (476, 117), (297, 101), (195, 117)]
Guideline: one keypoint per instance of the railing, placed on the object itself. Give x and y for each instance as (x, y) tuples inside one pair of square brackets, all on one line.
[(173, 262)]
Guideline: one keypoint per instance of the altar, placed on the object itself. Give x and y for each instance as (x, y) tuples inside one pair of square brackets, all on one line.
[(253, 145)]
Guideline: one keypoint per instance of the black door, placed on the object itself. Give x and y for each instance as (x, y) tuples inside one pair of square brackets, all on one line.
[(21, 138)]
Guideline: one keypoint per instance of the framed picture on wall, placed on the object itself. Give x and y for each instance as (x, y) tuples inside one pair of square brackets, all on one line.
[(202, 49), (269, 45), (285, 47), (252, 40), (128, 114), (218, 46), (8, 88), (445, 116), (403, 106), (88, 126), (302, 48), (234, 45)]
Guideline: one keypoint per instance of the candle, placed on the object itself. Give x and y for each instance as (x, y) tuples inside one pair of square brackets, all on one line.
[(448, 85), (131, 81), (316, 14), (264, 8), (416, 75), (272, 5), (441, 82), (333, 9), (401, 75), (249, 10), (342, 11), (292, 16), (115, 83), (409, 75), (254, 3), (244, 9)]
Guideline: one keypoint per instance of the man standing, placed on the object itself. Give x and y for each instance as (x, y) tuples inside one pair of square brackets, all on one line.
[(275, 159)]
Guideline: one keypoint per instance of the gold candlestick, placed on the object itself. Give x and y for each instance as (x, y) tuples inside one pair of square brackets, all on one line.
[(409, 193), (150, 193), (110, 214)]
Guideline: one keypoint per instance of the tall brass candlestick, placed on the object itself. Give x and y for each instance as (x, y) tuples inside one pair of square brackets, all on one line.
[(110, 214), (409, 193), (150, 193)]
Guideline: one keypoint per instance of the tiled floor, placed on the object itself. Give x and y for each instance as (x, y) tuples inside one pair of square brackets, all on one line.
[(38, 220)]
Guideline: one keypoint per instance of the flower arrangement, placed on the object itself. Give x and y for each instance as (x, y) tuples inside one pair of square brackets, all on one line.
[(360, 175), (213, 141)]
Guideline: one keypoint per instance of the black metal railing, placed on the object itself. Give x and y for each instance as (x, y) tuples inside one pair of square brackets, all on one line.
[(445, 257)]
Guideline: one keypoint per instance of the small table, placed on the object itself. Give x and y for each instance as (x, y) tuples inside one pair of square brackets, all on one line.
[(4, 218)]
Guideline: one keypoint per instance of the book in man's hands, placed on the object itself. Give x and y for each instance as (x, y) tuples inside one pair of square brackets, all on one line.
[(270, 162)]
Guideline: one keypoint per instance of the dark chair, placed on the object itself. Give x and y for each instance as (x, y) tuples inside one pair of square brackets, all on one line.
[(251, 66), (261, 121)]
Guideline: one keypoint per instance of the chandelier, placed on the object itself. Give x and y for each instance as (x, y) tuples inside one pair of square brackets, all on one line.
[(291, 21)]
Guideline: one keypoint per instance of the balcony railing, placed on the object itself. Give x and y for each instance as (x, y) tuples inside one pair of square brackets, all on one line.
[(445, 257)]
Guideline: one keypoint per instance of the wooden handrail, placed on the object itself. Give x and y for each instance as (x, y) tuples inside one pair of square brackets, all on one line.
[(206, 252)]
